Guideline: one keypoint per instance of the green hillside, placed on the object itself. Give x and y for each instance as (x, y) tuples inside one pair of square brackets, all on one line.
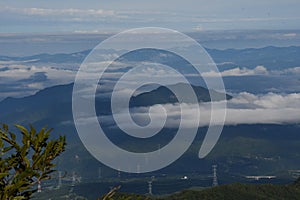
[(236, 191)]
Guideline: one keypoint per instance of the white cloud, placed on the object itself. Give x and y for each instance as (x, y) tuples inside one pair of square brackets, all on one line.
[(259, 70), (293, 71), (245, 108), (290, 34), (268, 101), (19, 72)]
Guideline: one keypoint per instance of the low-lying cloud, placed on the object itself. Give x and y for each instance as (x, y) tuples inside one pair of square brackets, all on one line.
[(244, 108), (18, 80), (259, 70)]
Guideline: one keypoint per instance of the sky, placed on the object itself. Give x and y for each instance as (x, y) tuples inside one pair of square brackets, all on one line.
[(56, 16)]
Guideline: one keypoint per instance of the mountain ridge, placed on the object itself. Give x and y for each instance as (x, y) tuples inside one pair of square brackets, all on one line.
[(272, 57)]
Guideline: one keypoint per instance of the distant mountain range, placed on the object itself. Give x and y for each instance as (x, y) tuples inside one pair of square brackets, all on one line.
[(271, 57), (50, 58)]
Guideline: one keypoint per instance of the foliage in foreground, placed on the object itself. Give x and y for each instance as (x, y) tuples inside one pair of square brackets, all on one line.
[(26, 160)]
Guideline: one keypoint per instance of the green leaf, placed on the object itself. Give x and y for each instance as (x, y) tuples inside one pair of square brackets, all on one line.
[(22, 129), (5, 127), (12, 135), (3, 175), (6, 149)]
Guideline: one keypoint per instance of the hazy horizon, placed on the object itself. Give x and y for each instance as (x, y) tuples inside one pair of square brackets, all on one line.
[(27, 44), (54, 16)]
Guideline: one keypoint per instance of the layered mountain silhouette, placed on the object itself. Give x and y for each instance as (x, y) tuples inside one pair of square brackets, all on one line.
[(56, 102)]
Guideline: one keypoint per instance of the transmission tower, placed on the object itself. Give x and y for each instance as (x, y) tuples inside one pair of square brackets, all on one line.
[(73, 179), (215, 178), (59, 179), (39, 186), (150, 185), (119, 174)]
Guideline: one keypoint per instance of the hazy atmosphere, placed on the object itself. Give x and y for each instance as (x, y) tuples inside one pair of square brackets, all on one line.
[(150, 99), (110, 16)]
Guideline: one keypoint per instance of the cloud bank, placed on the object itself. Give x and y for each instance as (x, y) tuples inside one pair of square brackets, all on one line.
[(244, 108), (17, 80), (258, 70)]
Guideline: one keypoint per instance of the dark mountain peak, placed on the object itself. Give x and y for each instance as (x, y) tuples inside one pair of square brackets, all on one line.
[(164, 95), (45, 98), (56, 90)]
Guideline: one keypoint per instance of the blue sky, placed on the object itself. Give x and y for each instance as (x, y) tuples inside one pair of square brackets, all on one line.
[(115, 15)]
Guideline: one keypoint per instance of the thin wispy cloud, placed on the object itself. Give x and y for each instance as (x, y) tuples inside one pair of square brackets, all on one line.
[(247, 19), (59, 12)]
